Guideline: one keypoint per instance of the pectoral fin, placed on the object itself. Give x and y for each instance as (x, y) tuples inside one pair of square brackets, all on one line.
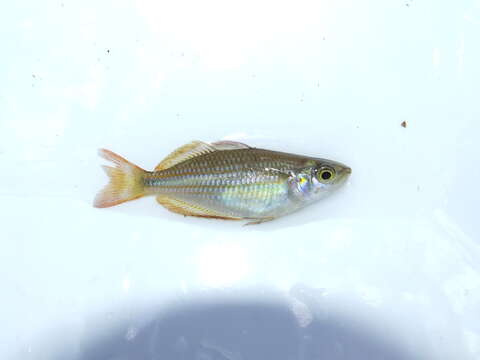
[(260, 220)]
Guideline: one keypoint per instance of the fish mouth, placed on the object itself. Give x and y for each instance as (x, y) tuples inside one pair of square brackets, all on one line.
[(345, 173)]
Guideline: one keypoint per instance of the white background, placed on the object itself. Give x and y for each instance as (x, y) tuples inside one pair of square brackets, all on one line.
[(388, 267)]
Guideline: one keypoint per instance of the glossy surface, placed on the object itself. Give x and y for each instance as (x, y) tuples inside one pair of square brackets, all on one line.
[(246, 183), (385, 268)]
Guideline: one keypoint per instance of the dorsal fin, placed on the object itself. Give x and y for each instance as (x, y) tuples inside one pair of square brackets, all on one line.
[(229, 145), (185, 152), (197, 148)]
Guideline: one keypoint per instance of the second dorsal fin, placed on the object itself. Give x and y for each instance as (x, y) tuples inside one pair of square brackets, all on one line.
[(197, 148), (185, 152)]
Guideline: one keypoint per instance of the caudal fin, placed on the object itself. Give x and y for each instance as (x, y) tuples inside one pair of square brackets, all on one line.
[(126, 181)]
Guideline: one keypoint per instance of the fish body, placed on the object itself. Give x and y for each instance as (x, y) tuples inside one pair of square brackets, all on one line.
[(226, 180)]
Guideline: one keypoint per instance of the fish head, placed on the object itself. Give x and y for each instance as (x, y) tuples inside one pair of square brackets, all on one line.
[(318, 179)]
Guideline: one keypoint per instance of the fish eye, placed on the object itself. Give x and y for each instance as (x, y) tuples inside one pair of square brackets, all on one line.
[(326, 174)]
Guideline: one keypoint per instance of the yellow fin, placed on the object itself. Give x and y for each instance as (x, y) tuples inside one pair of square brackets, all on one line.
[(187, 209), (197, 148), (126, 181), (185, 152)]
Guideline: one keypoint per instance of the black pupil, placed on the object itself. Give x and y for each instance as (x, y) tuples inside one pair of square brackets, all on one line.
[(326, 175)]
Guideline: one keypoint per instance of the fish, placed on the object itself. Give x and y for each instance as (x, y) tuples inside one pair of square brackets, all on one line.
[(224, 180)]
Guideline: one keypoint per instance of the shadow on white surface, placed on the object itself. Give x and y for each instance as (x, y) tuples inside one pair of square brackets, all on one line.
[(236, 329), (397, 251)]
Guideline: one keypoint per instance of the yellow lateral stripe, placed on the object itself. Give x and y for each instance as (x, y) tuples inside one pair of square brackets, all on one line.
[(217, 186)]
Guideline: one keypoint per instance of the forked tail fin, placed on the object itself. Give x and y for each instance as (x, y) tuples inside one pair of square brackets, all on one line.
[(126, 181)]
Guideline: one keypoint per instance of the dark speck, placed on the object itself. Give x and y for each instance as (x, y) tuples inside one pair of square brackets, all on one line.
[(108, 51), (404, 124)]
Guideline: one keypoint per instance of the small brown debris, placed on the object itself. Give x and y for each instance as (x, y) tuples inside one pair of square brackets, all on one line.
[(404, 124)]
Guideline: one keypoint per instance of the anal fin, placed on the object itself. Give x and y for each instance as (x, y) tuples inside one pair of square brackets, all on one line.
[(187, 209)]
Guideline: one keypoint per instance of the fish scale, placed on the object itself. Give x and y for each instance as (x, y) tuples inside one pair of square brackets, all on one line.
[(225, 180), (230, 181)]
